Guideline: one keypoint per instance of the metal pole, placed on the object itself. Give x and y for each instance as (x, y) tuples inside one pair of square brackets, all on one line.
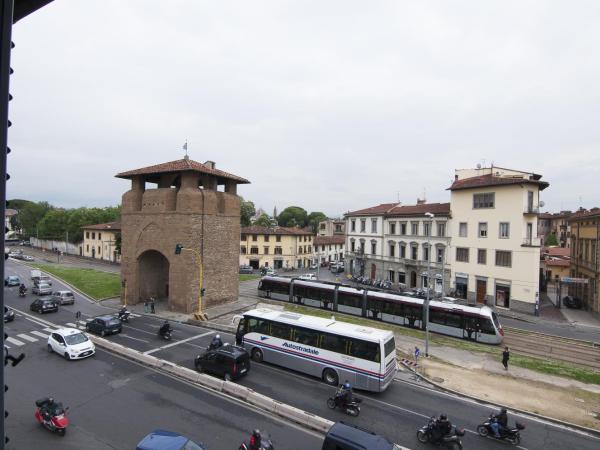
[(426, 305)]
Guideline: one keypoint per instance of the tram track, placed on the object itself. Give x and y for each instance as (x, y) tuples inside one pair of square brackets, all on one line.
[(577, 352)]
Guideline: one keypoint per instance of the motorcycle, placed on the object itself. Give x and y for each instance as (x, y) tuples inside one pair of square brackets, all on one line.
[(451, 440), (123, 316), (166, 334), (351, 408), (265, 444), (22, 293), (57, 421), (510, 435)]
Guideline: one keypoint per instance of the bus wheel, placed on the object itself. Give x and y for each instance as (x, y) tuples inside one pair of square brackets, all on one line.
[(330, 377), (257, 355)]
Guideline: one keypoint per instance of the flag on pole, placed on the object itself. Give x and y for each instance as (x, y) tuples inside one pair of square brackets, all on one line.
[(185, 146)]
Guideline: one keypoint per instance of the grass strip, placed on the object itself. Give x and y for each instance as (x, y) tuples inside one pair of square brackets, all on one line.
[(248, 277), (549, 367), (93, 283)]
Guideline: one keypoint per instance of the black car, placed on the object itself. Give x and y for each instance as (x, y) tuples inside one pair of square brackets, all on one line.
[(229, 362), (342, 436), (104, 325), (44, 305), (572, 302), (9, 314)]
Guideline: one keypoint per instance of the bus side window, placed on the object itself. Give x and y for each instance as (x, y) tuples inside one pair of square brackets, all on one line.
[(306, 337), (280, 330), (365, 350), (251, 324), (333, 343)]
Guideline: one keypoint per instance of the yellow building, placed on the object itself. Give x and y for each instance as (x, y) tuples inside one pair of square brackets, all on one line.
[(100, 241), (585, 258), (277, 247)]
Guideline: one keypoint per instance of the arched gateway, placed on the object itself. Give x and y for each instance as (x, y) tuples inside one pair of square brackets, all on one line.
[(185, 208)]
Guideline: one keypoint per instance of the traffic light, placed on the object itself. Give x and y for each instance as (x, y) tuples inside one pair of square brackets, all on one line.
[(202, 291), (178, 248)]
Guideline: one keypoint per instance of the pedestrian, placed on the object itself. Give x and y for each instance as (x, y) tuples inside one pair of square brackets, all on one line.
[(152, 305), (505, 357), (146, 306)]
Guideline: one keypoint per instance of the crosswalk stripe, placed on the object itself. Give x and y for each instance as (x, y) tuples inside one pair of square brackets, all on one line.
[(82, 322), (27, 338), (14, 341), (40, 334), (49, 330), (71, 324)]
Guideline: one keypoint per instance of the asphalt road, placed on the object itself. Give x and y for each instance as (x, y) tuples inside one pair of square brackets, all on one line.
[(395, 413), (114, 403)]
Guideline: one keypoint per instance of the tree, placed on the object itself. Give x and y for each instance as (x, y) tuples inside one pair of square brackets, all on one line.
[(53, 225), (30, 215), (247, 210), (314, 218), (551, 240), (263, 221), (293, 216)]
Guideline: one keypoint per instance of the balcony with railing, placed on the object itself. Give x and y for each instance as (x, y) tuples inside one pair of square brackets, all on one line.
[(531, 242), (531, 209)]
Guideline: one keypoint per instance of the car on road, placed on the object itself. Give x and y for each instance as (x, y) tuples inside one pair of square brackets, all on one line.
[(41, 289), (337, 269), (70, 343), (12, 280), (9, 314), (64, 297), (268, 271), (103, 325), (313, 266), (229, 362), (42, 279), (308, 276), (28, 258), (167, 440), (44, 305), (343, 436), (246, 269)]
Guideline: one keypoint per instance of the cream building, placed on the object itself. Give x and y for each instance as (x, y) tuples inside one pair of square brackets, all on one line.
[(100, 241), (495, 254), (277, 247), (329, 249), (332, 227)]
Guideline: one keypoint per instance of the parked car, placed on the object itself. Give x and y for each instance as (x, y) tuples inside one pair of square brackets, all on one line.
[(313, 266), (161, 440), (342, 436), (44, 305), (12, 280), (308, 276), (41, 289), (268, 271), (25, 243), (572, 302), (246, 269), (337, 269), (28, 258), (70, 343), (15, 255), (64, 297), (103, 325), (9, 314), (229, 362)]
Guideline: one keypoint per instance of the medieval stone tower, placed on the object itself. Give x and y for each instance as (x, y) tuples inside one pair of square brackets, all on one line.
[(195, 205)]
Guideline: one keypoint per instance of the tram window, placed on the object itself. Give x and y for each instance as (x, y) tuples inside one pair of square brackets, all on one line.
[(349, 300), (390, 307), (280, 330), (412, 311), (373, 303), (306, 337), (333, 343), (437, 317), (454, 320), (364, 350), (487, 327)]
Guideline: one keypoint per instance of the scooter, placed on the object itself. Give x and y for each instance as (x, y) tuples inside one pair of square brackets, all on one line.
[(510, 435), (166, 335), (451, 440), (351, 408), (124, 316), (22, 293), (265, 444), (58, 422)]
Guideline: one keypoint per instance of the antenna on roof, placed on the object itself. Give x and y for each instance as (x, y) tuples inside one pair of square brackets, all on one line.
[(185, 148)]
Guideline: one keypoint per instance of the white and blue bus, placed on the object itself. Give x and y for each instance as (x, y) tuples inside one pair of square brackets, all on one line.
[(324, 348)]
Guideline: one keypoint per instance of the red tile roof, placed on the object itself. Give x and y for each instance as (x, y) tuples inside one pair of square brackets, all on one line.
[(557, 251), (329, 240), (419, 210), (111, 226), (490, 180), (181, 165), (558, 263), (276, 230), (373, 210), (585, 214)]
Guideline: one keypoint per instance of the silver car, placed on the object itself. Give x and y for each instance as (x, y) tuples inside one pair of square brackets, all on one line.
[(41, 289), (63, 297)]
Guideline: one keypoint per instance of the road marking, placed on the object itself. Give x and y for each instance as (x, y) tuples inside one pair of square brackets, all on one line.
[(27, 338), (35, 321), (71, 324), (134, 338), (14, 341), (178, 342), (40, 334), (49, 330)]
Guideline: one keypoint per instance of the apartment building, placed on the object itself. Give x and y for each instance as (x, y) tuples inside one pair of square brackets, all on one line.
[(329, 248), (100, 241), (399, 243), (495, 254), (585, 257), (556, 224), (277, 247), (331, 227)]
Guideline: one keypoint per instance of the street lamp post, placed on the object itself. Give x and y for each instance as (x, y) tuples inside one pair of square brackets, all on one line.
[(426, 305)]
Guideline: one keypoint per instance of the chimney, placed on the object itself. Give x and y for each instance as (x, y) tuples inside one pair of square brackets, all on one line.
[(455, 177), (421, 201), (210, 164)]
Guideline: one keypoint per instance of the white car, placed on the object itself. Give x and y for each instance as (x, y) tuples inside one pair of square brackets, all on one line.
[(70, 343), (308, 276)]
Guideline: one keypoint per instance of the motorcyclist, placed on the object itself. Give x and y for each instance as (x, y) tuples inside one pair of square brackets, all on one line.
[(47, 408), (123, 311), (441, 428), (255, 440), (499, 422), (345, 393), (165, 328), (215, 343), (22, 288)]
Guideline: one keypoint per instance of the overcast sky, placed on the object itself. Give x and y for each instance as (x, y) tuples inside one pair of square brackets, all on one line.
[(329, 105)]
